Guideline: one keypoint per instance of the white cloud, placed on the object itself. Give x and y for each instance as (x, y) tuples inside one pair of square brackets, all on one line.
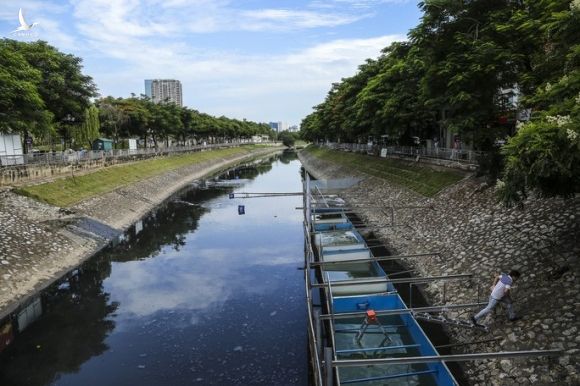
[(274, 19), (153, 39), (116, 21), (242, 86), (343, 51), (368, 3), (110, 19)]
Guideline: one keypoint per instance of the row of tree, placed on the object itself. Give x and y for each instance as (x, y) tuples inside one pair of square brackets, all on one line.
[(140, 117), (452, 75), (44, 94)]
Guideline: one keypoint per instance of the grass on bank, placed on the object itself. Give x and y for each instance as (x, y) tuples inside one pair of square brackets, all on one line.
[(69, 191), (419, 178)]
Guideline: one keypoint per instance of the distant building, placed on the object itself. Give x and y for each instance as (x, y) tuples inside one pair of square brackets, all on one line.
[(278, 126), (164, 90), (294, 129), (149, 88)]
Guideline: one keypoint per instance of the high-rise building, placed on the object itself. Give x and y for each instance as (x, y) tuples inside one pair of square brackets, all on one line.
[(278, 126), (149, 88), (164, 90)]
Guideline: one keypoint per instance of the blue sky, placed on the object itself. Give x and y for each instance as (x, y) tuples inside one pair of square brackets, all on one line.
[(254, 59)]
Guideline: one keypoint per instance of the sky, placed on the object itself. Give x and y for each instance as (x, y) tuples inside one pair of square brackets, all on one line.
[(247, 59)]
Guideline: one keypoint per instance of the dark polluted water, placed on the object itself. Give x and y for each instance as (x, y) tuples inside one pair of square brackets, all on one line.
[(194, 294)]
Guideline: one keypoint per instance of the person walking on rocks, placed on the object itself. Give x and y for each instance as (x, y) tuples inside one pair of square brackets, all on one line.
[(500, 293)]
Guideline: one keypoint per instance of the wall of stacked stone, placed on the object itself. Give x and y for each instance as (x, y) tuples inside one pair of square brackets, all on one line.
[(475, 234)]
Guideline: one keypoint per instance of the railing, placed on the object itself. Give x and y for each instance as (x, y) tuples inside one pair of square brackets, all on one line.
[(82, 156), (456, 155)]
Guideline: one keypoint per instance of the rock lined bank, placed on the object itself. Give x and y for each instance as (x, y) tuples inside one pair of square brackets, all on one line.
[(475, 234), (39, 242)]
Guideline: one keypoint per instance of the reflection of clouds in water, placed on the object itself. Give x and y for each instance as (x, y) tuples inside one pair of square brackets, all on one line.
[(208, 277), (259, 212), (143, 289), (215, 265), (265, 256)]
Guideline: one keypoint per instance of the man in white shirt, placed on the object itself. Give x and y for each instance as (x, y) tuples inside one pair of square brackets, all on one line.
[(500, 293)]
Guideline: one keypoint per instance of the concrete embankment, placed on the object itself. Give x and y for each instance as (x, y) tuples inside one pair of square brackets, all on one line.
[(476, 234), (40, 242)]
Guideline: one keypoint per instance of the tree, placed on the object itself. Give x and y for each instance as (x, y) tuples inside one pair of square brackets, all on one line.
[(543, 157), (287, 138), (88, 130), (22, 108), (63, 87), (112, 117)]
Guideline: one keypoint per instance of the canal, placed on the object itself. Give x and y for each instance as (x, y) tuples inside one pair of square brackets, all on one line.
[(193, 294)]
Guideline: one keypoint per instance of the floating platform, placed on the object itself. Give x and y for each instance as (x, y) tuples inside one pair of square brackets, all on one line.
[(355, 289), (360, 330)]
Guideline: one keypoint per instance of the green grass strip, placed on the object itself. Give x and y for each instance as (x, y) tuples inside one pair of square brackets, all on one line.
[(419, 178), (69, 191)]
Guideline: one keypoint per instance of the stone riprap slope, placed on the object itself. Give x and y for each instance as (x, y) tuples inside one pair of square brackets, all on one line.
[(40, 242), (476, 234)]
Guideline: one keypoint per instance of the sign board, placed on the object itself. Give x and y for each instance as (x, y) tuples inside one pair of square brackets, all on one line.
[(11, 150), (384, 152), (132, 144)]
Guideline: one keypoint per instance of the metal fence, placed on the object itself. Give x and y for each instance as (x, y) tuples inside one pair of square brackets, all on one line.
[(456, 155), (82, 156)]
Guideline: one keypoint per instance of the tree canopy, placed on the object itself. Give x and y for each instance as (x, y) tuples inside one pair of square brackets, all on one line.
[(21, 104), (51, 84), (140, 117), (469, 68)]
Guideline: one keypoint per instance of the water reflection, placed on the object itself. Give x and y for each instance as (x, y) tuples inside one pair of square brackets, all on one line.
[(79, 315), (193, 294)]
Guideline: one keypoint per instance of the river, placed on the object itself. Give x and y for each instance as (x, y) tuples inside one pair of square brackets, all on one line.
[(194, 294)]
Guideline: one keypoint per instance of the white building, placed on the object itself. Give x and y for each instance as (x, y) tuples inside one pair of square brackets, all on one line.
[(164, 90)]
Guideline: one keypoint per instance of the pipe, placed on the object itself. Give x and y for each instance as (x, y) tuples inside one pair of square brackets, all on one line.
[(374, 258), (444, 358), (346, 315), (415, 280)]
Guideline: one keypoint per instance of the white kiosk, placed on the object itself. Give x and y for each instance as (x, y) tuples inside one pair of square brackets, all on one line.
[(11, 150)]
